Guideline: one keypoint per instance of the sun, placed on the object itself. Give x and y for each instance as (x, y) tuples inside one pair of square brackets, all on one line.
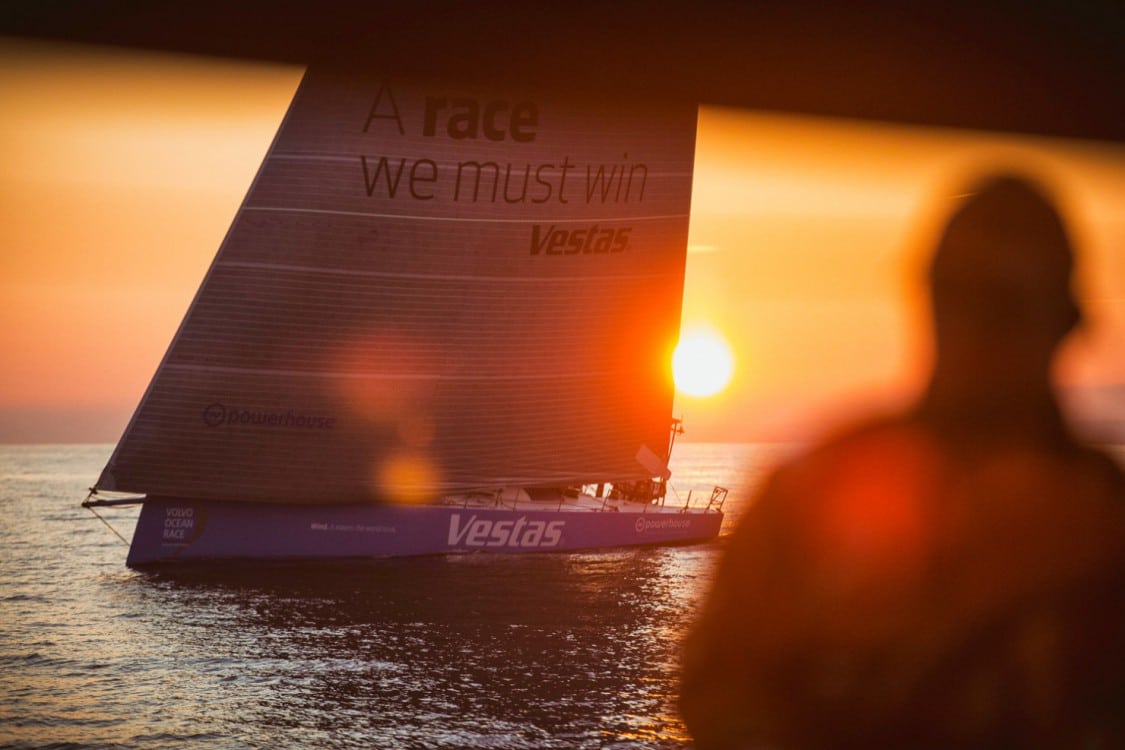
[(702, 364)]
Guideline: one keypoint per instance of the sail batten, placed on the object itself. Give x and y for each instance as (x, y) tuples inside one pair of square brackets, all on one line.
[(459, 219), (429, 300), (473, 277), (422, 376)]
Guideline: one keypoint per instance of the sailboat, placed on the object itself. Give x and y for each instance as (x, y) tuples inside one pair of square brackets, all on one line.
[(440, 321)]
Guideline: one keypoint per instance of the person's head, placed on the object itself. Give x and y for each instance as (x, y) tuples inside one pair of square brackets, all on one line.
[(1001, 283)]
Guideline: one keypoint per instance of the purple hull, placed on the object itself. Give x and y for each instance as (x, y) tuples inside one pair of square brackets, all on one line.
[(183, 530)]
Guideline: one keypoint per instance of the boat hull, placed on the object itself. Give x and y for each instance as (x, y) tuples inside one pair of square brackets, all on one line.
[(170, 530)]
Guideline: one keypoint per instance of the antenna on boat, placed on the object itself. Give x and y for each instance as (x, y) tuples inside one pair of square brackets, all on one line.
[(677, 429)]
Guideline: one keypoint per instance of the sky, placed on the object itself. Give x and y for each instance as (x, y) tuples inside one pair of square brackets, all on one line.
[(121, 172)]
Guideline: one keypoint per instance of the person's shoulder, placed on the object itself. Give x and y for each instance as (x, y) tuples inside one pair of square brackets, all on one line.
[(1099, 471), (1102, 461), (854, 452), (875, 438), (877, 428)]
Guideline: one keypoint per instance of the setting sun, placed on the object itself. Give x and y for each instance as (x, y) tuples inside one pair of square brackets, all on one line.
[(702, 364)]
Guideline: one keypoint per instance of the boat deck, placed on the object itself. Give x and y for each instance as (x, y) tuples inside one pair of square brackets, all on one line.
[(519, 500)]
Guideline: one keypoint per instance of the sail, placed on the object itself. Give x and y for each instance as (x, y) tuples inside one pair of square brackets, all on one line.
[(429, 288)]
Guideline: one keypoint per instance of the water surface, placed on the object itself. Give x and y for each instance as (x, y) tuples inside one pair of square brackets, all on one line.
[(462, 651)]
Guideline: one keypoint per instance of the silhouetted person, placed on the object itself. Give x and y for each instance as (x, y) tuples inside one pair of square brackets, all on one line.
[(950, 577)]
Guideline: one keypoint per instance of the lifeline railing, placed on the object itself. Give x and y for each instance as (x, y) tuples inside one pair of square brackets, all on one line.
[(497, 500)]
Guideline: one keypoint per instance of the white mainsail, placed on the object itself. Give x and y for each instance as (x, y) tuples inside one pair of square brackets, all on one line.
[(429, 288)]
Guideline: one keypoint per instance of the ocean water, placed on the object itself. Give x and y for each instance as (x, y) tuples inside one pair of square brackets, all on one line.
[(462, 651)]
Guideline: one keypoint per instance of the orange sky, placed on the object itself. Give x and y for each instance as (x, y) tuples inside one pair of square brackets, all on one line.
[(121, 172), (811, 237)]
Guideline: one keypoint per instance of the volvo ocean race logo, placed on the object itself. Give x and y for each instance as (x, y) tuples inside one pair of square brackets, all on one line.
[(218, 415), (515, 533), (183, 524)]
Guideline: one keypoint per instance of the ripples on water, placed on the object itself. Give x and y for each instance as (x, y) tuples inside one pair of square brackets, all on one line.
[(460, 651)]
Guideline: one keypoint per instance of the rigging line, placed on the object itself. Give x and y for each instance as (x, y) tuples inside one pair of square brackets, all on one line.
[(107, 524)]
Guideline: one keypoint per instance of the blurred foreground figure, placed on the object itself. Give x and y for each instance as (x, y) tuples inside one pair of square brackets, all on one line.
[(953, 577)]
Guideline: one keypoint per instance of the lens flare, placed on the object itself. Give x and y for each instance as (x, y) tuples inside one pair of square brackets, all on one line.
[(407, 478)]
